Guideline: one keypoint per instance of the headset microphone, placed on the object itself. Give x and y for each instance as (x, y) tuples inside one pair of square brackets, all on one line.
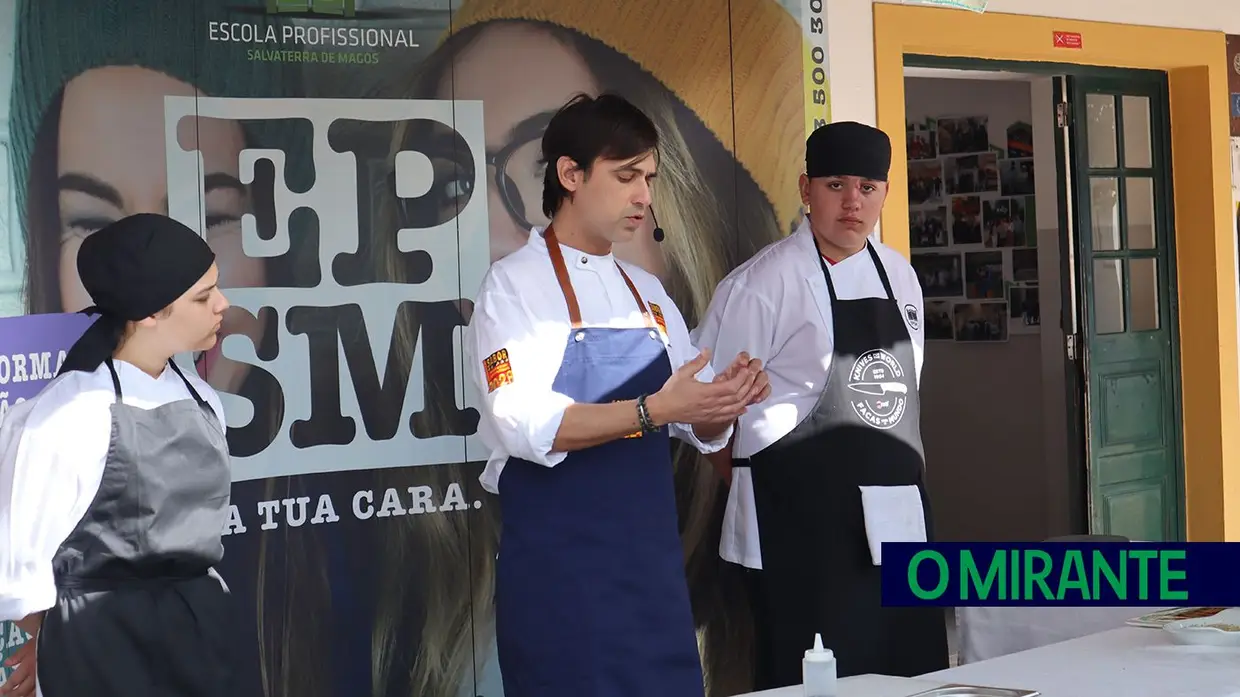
[(658, 231)]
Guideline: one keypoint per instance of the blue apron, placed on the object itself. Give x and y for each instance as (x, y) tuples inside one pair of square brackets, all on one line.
[(591, 596)]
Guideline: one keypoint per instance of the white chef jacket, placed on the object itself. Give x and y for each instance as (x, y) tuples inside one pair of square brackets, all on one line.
[(520, 309), (53, 449), (776, 307)]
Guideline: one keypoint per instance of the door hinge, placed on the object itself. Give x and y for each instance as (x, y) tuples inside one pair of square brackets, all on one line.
[(1063, 115), (1071, 341)]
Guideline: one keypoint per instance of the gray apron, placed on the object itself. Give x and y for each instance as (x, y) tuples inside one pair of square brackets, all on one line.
[(139, 611)]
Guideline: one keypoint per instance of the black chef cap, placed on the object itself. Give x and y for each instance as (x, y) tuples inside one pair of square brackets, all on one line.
[(848, 148), (132, 269)]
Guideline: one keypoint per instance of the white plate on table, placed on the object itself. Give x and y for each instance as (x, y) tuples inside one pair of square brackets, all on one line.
[(1161, 618), (1222, 629)]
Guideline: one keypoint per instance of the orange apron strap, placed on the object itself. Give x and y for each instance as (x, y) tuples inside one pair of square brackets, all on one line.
[(637, 296), (566, 285), (561, 275)]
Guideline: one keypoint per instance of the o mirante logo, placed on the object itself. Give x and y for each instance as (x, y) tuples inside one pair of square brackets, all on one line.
[(1037, 575)]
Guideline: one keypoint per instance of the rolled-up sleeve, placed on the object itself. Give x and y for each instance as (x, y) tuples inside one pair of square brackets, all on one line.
[(47, 481), (513, 367), (738, 320)]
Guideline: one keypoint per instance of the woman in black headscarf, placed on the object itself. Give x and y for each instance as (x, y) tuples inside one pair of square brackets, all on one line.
[(114, 485)]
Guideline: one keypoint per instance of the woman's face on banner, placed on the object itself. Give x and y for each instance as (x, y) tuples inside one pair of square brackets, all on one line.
[(112, 165), (521, 73)]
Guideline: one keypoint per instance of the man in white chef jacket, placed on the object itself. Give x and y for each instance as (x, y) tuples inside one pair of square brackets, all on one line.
[(586, 372), (831, 464)]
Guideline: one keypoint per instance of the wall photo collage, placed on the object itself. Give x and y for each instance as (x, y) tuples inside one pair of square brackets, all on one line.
[(972, 232)]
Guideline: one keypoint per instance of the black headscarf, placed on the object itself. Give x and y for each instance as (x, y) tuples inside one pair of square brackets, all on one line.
[(848, 148), (132, 269)]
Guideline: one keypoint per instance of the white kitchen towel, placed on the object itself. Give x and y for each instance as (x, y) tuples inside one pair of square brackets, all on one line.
[(892, 514)]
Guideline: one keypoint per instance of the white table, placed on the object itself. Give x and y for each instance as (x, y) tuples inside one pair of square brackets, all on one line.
[(991, 632), (1127, 662), (861, 686)]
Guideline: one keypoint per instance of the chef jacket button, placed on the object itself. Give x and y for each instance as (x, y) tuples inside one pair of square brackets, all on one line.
[(583, 260), (654, 334), (580, 336)]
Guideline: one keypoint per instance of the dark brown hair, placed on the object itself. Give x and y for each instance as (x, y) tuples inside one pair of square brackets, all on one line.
[(587, 129)]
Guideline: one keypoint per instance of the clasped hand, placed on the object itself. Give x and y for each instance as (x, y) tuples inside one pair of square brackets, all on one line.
[(21, 682), (685, 399)]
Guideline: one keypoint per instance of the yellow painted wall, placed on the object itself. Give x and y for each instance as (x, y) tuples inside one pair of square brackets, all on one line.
[(1196, 64)]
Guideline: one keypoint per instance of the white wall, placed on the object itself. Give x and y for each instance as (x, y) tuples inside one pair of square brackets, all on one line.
[(993, 414), (850, 35), (1235, 205)]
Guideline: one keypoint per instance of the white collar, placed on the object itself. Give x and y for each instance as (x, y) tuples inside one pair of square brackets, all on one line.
[(539, 242), (125, 369), (804, 237)]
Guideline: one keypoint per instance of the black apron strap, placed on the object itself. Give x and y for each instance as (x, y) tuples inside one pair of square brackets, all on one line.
[(116, 381), (882, 271), (826, 273), (878, 264), (197, 398)]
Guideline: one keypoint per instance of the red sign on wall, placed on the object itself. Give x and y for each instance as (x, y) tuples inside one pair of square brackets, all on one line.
[(1067, 39)]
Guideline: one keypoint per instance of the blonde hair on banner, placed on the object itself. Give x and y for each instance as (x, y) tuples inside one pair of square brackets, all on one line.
[(716, 214), (731, 62)]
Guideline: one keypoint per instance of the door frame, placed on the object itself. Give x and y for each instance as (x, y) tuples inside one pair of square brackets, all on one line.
[(1071, 279), (1195, 62)]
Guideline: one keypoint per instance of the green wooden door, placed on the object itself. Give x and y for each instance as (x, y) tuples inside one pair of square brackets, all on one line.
[(1121, 206)]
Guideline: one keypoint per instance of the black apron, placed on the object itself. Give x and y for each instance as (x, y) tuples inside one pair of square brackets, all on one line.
[(139, 612), (817, 572)]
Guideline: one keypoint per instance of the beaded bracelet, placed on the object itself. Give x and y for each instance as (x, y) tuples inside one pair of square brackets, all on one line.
[(643, 416)]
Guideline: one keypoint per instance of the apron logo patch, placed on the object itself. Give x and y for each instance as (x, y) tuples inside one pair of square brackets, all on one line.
[(658, 317), (880, 389), (910, 314), (498, 369)]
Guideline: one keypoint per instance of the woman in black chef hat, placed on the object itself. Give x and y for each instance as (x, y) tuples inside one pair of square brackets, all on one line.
[(114, 481)]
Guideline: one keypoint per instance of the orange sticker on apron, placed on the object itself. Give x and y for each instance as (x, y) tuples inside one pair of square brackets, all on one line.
[(498, 369), (658, 317)]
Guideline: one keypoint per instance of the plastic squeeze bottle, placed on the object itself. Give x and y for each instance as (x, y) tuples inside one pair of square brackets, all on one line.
[(818, 670)]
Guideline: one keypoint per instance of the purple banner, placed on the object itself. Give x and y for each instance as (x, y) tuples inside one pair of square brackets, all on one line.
[(32, 348)]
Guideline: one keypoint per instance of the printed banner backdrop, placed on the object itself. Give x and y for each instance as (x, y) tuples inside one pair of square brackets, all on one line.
[(32, 349), (11, 639), (357, 165)]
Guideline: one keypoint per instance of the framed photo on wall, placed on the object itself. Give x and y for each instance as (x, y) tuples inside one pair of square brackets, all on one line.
[(981, 321)]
